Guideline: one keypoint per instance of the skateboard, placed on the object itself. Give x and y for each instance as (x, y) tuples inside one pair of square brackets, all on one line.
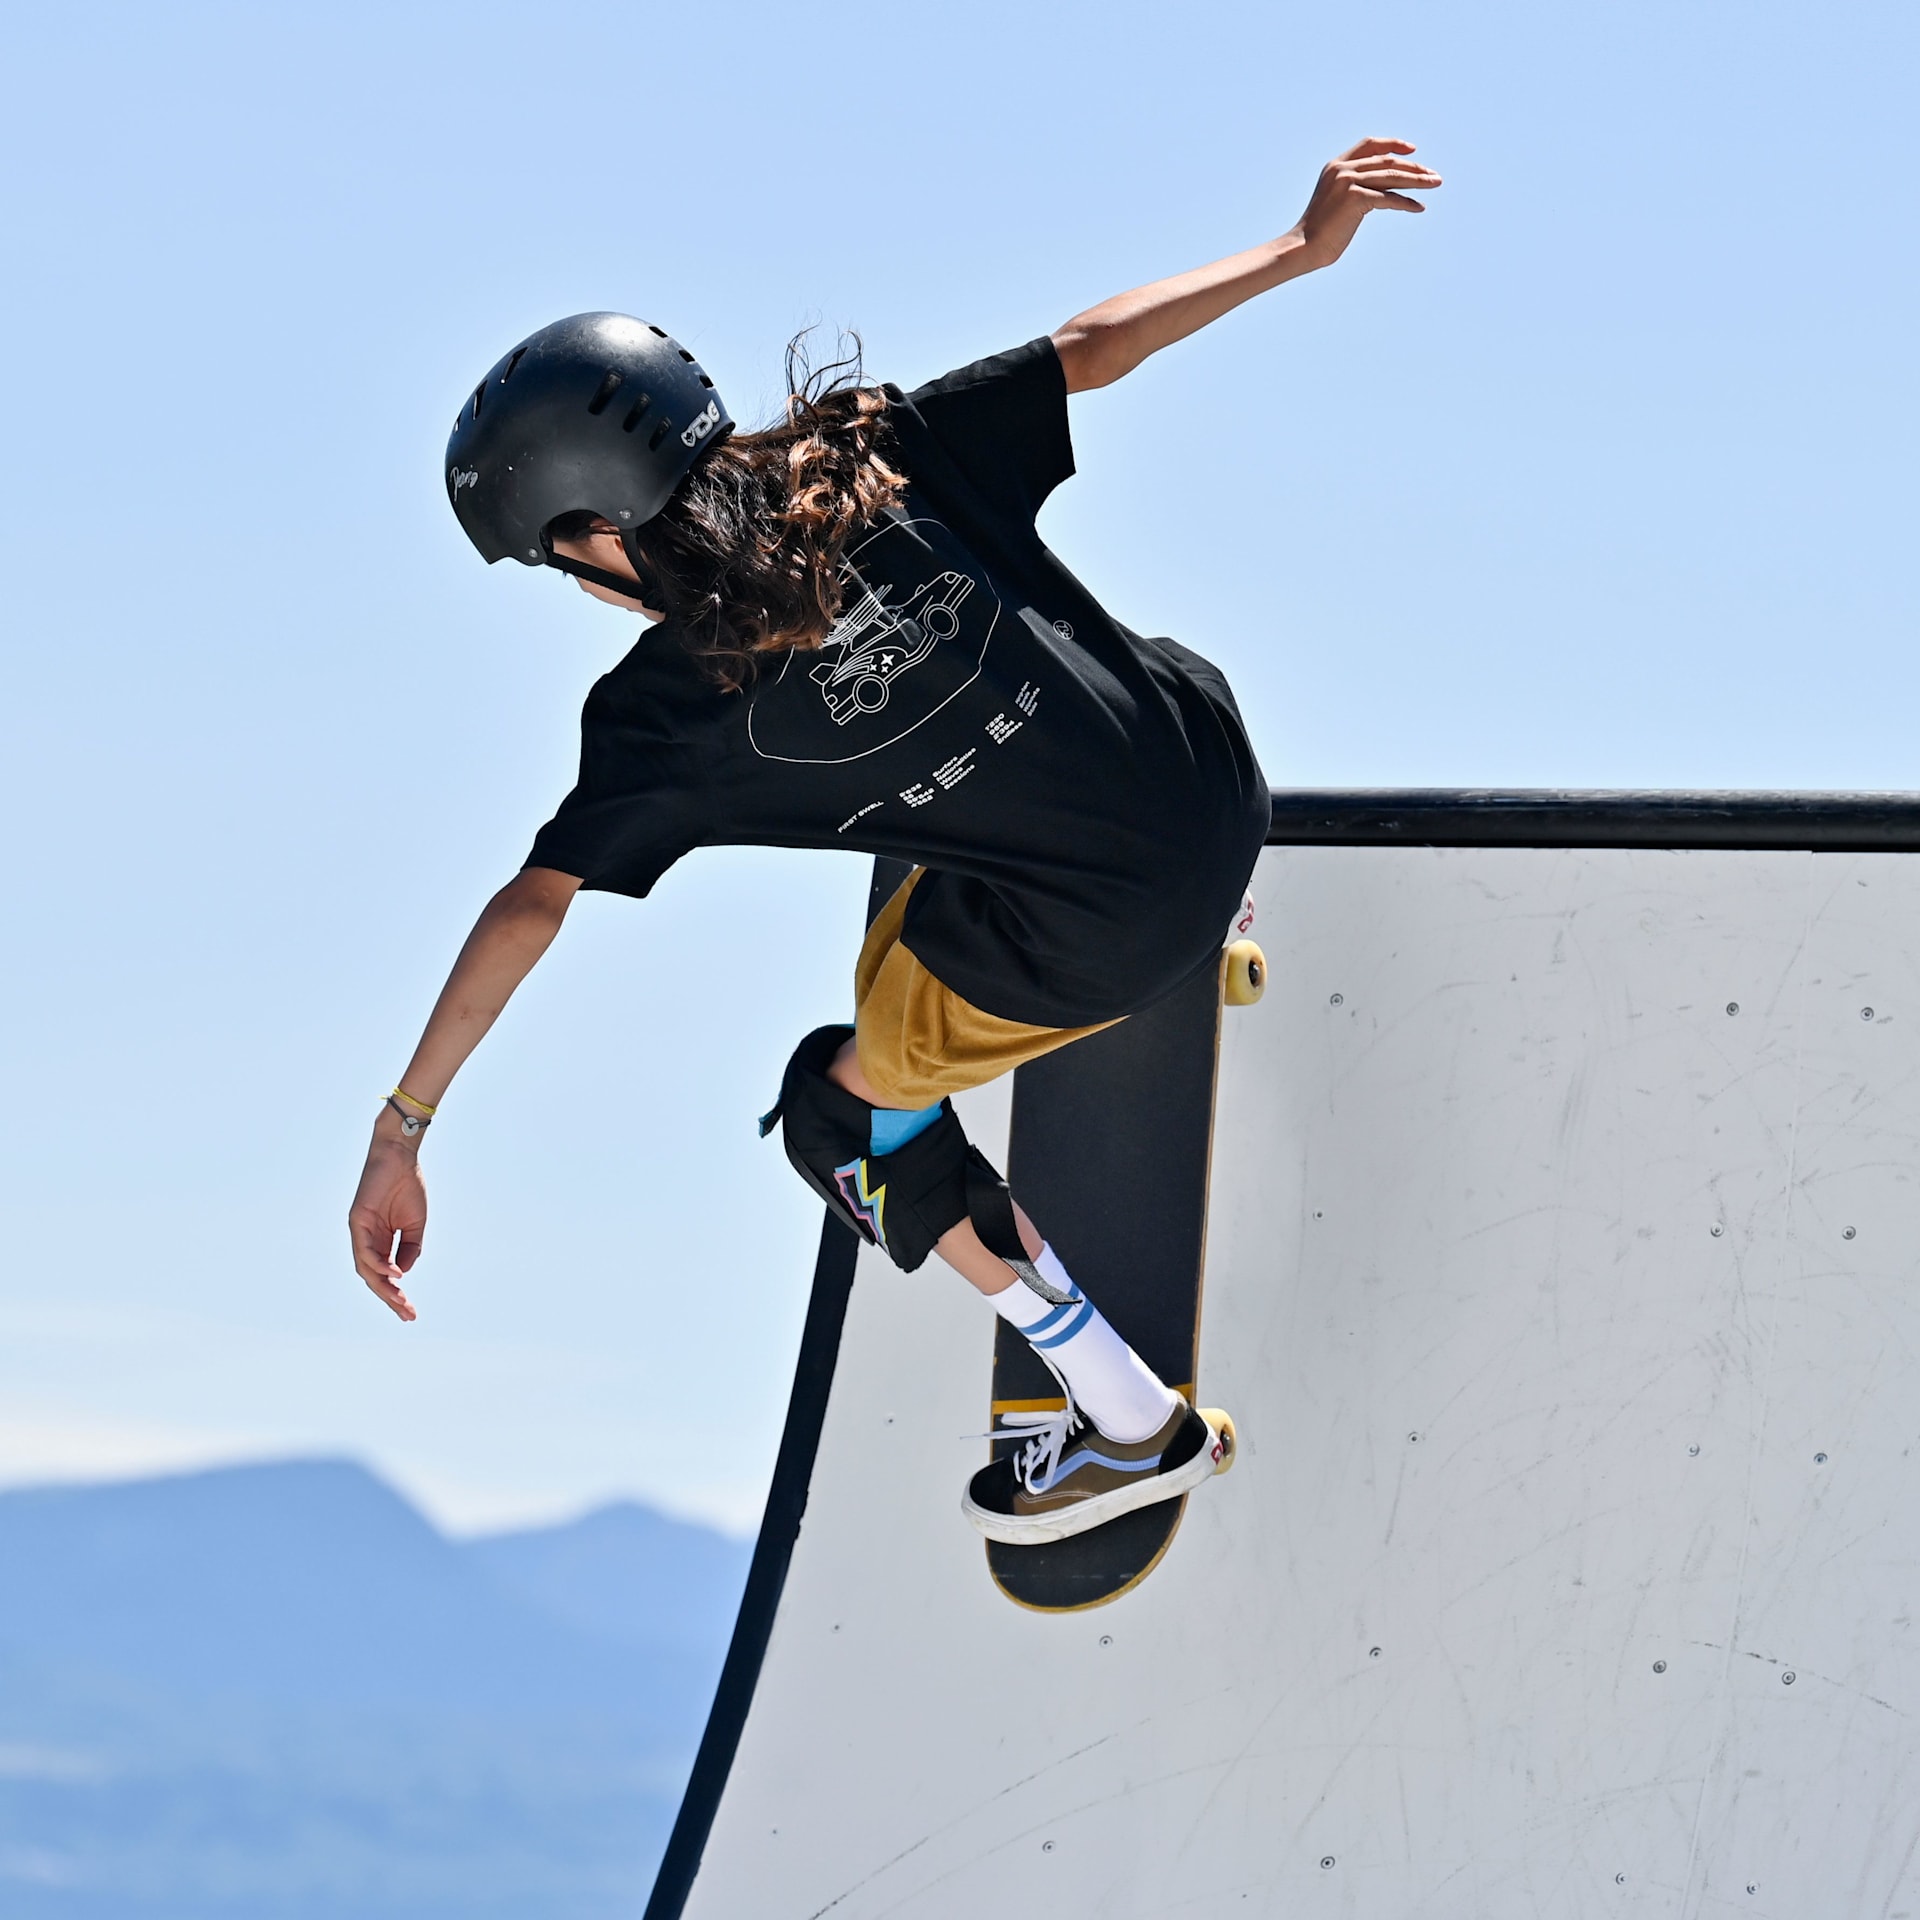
[(1110, 1153)]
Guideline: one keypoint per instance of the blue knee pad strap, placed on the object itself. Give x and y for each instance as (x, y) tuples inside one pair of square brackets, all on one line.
[(899, 1186), (892, 1127)]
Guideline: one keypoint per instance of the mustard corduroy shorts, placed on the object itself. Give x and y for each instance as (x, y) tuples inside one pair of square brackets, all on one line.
[(917, 1039)]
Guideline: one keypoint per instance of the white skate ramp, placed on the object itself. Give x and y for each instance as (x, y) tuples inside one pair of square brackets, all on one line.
[(1562, 1282)]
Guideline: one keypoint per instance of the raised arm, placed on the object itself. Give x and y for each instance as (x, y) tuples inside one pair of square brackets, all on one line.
[(514, 929), (1098, 346)]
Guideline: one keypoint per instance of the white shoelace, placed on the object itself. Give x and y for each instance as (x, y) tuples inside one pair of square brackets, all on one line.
[(1039, 1460)]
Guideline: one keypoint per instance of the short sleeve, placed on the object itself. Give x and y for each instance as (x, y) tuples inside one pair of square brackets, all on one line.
[(1003, 423), (634, 810), (612, 845)]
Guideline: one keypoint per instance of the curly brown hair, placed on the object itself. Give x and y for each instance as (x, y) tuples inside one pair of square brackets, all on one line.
[(746, 555)]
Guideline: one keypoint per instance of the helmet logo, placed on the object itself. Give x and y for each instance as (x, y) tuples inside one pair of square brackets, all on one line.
[(703, 424), (456, 479)]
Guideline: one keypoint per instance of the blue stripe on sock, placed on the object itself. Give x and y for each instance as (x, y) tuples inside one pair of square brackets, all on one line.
[(892, 1127), (1067, 1332), (1053, 1316)]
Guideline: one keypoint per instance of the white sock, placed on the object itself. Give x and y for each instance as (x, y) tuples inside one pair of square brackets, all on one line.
[(1119, 1393)]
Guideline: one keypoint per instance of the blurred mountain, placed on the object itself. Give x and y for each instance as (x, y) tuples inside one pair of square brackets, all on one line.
[(627, 1574), (277, 1692)]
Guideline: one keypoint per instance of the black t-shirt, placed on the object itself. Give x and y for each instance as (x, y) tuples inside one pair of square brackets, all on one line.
[(1086, 799)]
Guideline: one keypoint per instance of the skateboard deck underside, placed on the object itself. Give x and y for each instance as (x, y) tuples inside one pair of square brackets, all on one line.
[(1109, 1152)]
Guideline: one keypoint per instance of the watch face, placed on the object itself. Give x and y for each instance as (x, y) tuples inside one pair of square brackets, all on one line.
[(915, 622)]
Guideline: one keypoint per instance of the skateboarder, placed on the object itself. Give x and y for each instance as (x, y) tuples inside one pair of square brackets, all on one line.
[(859, 640)]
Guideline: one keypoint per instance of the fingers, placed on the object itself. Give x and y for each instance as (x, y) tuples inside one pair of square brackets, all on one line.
[(371, 1241), (1389, 171), (1365, 149), (1397, 202), (387, 1292), (369, 1253)]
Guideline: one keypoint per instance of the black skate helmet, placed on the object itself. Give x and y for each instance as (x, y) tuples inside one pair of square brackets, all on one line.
[(601, 413)]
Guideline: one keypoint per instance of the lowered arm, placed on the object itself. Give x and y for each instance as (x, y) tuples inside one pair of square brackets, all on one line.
[(388, 1218)]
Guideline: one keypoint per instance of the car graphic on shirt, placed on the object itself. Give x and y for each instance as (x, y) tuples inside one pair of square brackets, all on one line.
[(877, 644), (918, 615)]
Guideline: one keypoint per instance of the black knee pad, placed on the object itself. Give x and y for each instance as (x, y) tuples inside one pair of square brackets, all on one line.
[(901, 1202)]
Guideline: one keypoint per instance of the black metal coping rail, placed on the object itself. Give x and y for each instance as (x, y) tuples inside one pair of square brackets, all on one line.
[(1545, 817)]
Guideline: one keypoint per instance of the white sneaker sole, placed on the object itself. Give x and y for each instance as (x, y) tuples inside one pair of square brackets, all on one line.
[(1084, 1515)]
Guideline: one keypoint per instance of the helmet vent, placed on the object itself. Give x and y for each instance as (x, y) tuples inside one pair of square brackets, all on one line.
[(604, 392), (479, 394), (685, 355), (636, 413), (519, 354), (661, 331), (658, 434), (704, 381)]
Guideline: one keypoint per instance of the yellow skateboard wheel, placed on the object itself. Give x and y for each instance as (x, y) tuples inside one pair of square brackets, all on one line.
[(1246, 973), (1222, 1423)]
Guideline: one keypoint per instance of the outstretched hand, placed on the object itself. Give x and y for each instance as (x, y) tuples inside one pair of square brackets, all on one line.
[(1361, 180), (1100, 345), (391, 1204)]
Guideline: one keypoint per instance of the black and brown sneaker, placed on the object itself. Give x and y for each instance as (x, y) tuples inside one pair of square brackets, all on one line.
[(1069, 1476)]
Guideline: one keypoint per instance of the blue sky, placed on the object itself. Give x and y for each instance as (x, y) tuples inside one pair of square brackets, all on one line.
[(1598, 474)]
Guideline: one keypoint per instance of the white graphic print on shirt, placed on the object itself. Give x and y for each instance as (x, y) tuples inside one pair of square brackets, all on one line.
[(874, 645), (914, 631)]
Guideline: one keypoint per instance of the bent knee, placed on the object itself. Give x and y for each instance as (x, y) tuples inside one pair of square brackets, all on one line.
[(845, 1070)]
